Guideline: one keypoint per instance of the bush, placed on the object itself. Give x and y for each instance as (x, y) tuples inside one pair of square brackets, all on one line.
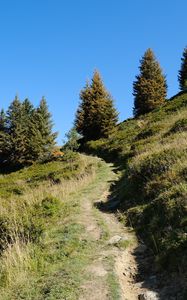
[(50, 206)]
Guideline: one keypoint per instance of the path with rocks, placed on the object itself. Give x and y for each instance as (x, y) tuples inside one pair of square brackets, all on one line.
[(114, 272)]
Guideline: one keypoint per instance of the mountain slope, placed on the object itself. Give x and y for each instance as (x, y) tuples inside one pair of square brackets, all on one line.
[(152, 152)]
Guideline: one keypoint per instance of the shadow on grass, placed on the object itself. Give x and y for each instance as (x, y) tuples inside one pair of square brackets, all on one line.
[(7, 169), (161, 283)]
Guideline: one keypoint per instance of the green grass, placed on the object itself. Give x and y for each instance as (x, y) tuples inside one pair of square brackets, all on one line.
[(105, 234), (42, 252), (151, 151), (16, 183), (112, 280)]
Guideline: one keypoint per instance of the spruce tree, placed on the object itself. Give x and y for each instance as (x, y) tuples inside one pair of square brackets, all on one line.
[(25, 133), (183, 72), (4, 138), (84, 115), (72, 140), (42, 137), (2, 120), (15, 127), (96, 116), (150, 88), (27, 119)]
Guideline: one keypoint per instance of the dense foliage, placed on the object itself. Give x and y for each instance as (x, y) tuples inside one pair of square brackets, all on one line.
[(183, 71), (150, 87), (25, 133), (96, 116)]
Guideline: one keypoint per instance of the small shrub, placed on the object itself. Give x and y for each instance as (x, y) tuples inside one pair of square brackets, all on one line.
[(49, 206)]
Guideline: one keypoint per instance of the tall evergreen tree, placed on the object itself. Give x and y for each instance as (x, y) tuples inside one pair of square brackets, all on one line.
[(150, 87), (183, 71), (2, 120), (27, 120), (42, 137), (15, 128), (25, 133), (72, 140), (96, 116), (3, 137)]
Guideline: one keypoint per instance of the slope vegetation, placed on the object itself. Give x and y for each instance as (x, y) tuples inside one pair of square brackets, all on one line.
[(41, 253), (152, 152)]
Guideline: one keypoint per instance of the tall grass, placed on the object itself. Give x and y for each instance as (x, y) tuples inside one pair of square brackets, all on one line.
[(26, 217)]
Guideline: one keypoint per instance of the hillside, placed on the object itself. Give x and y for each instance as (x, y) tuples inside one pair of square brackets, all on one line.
[(40, 245), (151, 151), (59, 238), (56, 242)]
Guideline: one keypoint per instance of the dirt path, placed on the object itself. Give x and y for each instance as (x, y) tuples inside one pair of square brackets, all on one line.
[(113, 270)]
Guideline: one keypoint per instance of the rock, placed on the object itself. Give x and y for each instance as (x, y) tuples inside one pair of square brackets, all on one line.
[(139, 284), (149, 295), (114, 240)]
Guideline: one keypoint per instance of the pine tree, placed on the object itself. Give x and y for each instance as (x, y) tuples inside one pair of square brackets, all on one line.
[(183, 72), (25, 133), (27, 120), (72, 140), (150, 88), (15, 128), (2, 120), (4, 138), (42, 137), (96, 116)]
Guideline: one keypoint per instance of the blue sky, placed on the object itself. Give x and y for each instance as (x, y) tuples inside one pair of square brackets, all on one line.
[(51, 47)]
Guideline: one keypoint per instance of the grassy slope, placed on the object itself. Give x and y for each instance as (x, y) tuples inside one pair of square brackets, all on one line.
[(152, 152), (41, 253)]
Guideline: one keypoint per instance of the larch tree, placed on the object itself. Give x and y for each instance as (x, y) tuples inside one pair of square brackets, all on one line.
[(183, 71), (150, 87), (96, 115)]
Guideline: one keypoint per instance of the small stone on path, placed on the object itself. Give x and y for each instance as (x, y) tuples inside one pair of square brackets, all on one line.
[(114, 240)]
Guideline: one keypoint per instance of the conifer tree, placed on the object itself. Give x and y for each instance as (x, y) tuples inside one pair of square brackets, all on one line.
[(96, 116), (2, 120), (183, 72), (25, 133), (42, 137), (72, 140), (27, 119), (150, 88), (15, 127), (3, 137)]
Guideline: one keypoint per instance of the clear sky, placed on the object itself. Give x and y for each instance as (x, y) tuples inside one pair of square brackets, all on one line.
[(51, 47)]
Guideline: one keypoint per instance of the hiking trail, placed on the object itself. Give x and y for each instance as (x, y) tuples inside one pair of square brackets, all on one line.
[(113, 271)]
